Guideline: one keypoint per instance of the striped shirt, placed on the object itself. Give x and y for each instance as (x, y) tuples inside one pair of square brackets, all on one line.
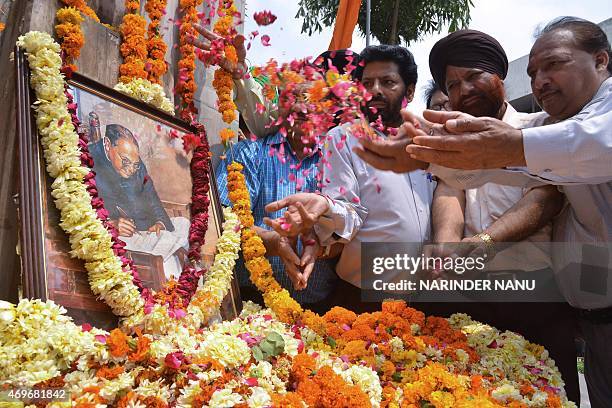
[(273, 172)]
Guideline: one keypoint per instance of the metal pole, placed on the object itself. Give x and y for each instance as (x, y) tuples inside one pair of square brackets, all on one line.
[(368, 13)]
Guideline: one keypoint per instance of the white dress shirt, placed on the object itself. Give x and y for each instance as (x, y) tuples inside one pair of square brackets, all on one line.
[(484, 205), (582, 144), (369, 205), (578, 149)]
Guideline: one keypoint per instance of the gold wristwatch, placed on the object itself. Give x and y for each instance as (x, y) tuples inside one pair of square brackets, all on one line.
[(489, 243)]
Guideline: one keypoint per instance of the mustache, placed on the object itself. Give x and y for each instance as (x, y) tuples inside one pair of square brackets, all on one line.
[(378, 99)]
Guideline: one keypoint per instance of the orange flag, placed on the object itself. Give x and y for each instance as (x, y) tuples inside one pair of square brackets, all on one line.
[(346, 20)]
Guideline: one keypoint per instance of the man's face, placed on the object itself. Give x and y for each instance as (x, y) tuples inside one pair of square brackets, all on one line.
[(474, 91), (296, 109), (563, 77), (382, 79), (124, 156), (439, 102)]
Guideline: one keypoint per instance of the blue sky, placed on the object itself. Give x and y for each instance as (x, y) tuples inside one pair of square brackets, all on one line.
[(512, 23)]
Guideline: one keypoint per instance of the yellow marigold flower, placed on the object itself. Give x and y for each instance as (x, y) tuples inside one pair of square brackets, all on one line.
[(226, 135), (69, 15)]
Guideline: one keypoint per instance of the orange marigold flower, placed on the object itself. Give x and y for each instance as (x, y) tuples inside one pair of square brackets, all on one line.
[(109, 373), (226, 135), (288, 400), (117, 343), (142, 348)]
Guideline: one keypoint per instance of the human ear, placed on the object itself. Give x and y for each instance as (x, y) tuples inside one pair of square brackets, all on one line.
[(602, 59), (410, 92)]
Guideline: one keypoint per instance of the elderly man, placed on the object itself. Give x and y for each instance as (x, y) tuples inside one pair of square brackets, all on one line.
[(361, 203), (470, 67), (570, 68)]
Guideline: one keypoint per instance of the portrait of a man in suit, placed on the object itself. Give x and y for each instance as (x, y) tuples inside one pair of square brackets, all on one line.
[(132, 202)]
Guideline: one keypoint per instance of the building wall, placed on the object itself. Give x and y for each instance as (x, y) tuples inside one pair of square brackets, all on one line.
[(518, 87)]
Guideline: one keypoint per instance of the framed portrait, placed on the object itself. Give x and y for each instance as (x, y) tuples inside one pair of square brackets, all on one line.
[(143, 176)]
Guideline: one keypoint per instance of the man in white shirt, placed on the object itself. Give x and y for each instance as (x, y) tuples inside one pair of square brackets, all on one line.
[(361, 203), (571, 70), (469, 66)]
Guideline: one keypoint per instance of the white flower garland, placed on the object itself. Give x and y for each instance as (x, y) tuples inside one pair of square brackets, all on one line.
[(89, 240), (147, 92)]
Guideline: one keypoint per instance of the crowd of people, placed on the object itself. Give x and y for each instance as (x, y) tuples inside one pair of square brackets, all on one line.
[(471, 169)]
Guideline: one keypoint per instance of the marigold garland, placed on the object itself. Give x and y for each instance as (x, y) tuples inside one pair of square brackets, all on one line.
[(143, 61), (134, 45), (156, 47), (253, 249), (69, 32), (223, 81), (82, 6), (186, 84)]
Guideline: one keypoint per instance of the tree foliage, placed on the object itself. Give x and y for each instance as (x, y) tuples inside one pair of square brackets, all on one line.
[(392, 21)]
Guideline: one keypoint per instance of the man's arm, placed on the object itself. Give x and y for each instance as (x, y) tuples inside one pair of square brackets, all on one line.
[(257, 111), (575, 151), (532, 212), (448, 214), (249, 94), (346, 214), (572, 151)]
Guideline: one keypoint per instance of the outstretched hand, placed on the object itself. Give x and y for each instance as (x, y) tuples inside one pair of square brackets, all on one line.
[(467, 142), (303, 212), (238, 69)]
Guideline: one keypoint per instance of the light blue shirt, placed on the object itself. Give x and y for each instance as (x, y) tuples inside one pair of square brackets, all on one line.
[(273, 172)]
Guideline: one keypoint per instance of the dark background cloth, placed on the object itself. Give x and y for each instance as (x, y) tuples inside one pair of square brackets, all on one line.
[(135, 195)]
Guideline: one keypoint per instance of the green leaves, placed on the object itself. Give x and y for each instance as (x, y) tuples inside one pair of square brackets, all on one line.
[(271, 346), (415, 17), (331, 342)]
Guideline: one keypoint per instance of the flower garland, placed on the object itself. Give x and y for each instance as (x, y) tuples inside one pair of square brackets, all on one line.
[(156, 47), (259, 361), (89, 239), (92, 237), (133, 79), (186, 85), (147, 92), (200, 171), (82, 6), (134, 45), (253, 249), (223, 82), (69, 32)]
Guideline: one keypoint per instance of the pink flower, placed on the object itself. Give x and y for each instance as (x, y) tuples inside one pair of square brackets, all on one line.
[(265, 40), (264, 18), (86, 327), (252, 382), (174, 360), (101, 338)]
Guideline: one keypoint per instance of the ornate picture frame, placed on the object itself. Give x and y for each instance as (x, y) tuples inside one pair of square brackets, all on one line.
[(153, 218)]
